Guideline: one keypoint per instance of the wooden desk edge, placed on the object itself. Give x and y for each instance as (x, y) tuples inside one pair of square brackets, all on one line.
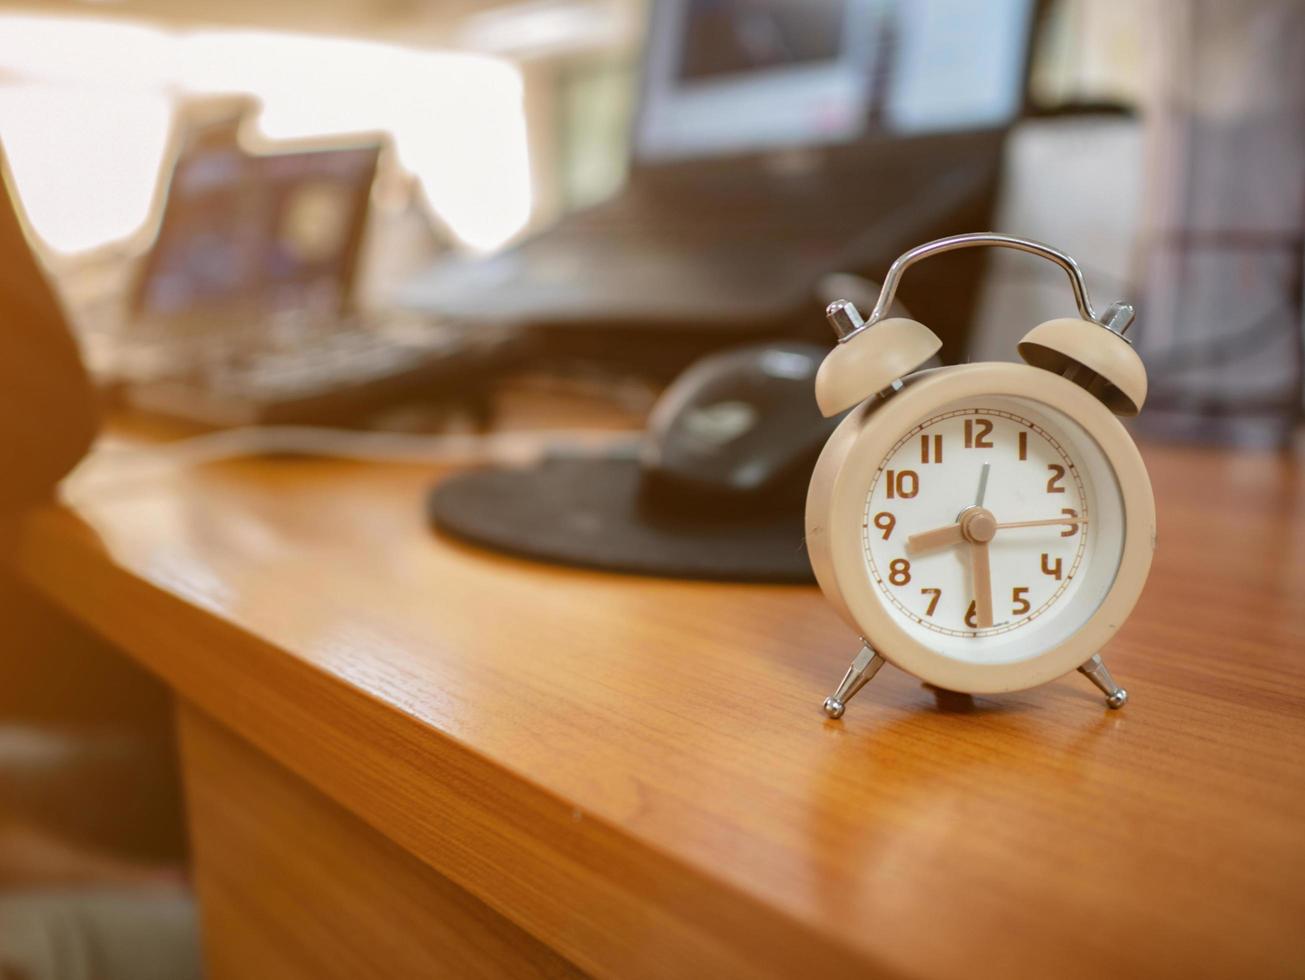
[(607, 901)]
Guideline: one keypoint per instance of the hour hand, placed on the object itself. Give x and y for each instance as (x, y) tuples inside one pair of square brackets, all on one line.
[(939, 537), (982, 571)]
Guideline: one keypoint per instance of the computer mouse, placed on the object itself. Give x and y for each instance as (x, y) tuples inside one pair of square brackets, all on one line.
[(738, 427)]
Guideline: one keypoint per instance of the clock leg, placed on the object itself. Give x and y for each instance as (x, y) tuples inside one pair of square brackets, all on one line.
[(1097, 672), (864, 667)]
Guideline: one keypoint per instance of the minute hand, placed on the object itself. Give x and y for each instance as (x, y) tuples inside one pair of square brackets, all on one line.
[(940, 537), (1049, 522)]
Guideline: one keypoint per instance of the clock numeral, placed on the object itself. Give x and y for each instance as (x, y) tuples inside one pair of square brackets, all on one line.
[(1072, 529), (1019, 603), (885, 522), (1049, 569), (903, 483), (935, 595), (899, 571), (926, 441), (977, 432), (1057, 474), (1024, 444), (972, 616)]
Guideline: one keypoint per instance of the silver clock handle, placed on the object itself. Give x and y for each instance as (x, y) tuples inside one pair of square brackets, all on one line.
[(1116, 318)]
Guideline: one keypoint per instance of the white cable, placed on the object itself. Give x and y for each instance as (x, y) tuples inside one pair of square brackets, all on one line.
[(111, 465)]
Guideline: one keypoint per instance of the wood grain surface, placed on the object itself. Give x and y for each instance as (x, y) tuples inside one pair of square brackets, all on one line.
[(291, 885), (638, 773)]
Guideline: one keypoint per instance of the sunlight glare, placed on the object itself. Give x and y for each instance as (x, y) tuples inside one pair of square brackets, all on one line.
[(85, 107)]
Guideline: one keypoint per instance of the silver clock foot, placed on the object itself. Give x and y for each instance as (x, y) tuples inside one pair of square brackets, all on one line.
[(1097, 672), (864, 667)]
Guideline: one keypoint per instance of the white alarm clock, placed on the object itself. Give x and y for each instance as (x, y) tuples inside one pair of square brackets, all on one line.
[(985, 527)]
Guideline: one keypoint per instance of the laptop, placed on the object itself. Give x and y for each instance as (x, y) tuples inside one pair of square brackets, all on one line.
[(244, 311), (776, 142)]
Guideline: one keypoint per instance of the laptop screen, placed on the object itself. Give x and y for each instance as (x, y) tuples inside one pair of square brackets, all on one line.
[(735, 76), (259, 233)]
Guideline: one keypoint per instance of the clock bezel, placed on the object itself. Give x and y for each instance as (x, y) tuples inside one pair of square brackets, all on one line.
[(854, 453)]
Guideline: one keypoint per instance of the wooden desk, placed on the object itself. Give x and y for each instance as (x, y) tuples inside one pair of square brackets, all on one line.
[(404, 755)]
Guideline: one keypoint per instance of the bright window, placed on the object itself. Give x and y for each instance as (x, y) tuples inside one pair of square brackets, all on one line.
[(85, 106)]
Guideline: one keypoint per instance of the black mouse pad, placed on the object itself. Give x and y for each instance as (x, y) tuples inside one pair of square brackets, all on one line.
[(589, 512)]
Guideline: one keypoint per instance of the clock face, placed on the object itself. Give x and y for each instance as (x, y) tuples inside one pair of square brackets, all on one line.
[(993, 529)]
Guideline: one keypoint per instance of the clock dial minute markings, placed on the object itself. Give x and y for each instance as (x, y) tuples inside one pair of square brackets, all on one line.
[(938, 596)]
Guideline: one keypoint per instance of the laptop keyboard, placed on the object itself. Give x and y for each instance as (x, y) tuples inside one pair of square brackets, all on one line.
[(318, 358), (294, 368)]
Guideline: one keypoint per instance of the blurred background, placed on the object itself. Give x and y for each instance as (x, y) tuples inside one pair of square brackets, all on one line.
[(683, 176), (400, 215)]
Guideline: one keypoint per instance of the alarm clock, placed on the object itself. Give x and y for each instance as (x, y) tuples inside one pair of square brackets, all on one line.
[(985, 527)]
